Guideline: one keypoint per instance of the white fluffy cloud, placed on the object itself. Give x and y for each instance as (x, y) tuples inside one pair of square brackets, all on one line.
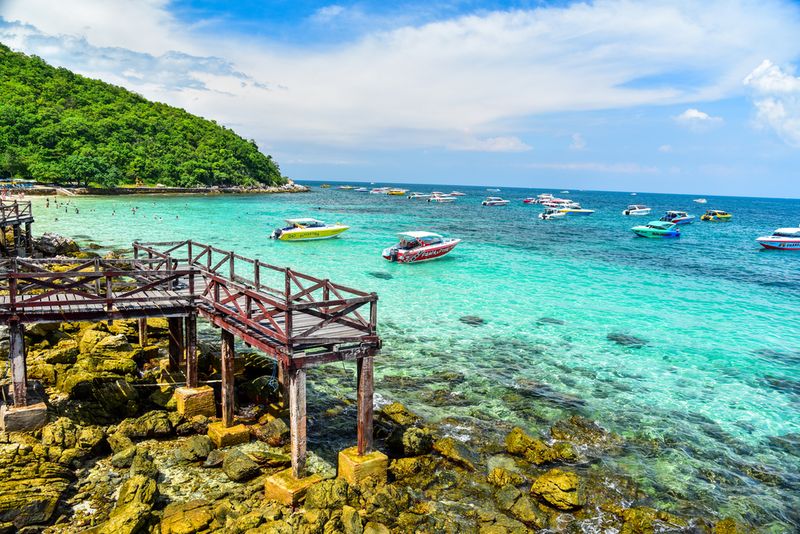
[(777, 100), (697, 120), (665, 149), (424, 84)]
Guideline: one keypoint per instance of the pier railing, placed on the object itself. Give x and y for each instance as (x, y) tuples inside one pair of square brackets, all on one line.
[(51, 289), (295, 310), (14, 212)]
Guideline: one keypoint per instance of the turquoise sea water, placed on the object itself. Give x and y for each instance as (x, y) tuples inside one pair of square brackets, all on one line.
[(710, 405)]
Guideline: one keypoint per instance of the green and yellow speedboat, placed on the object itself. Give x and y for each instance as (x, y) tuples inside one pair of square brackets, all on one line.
[(716, 216), (307, 229)]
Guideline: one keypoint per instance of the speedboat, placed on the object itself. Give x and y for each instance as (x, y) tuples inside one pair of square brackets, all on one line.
[(493, 190), (576, 210), (565, 192), (380, 191), (716, 216), (440, 197), (560, 203), (415, 247), (657, 229), (700, 200), (325, 186), (306, 229), (397, 192), (637, 210), (418, 195), (361, 190), (346, 187), (552, 213), (782, 239), (677, 217), (457, 194), (495, 201)]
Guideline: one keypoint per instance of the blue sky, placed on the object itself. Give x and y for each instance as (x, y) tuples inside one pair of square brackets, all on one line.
[(667, 96)]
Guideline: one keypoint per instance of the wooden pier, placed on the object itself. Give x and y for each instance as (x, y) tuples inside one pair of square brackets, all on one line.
[(296, 319), (16, 216)]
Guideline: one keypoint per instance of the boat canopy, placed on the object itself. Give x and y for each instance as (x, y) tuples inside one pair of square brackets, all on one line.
[(672, 213), (493, 198), (660, 225), (305, 221), (637, 207), (418, 235), (787, 232)]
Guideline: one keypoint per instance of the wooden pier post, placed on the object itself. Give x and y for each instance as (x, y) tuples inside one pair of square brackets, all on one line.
[(365, 399), (19, 375), (191, 350), (297, 420), (175, 342), (142, 332), (28, 240), (228, 400)]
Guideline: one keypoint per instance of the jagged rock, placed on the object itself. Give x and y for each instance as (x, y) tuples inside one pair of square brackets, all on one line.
[(239, 467), (50, 244), (399, 414), (644, 520), (142, 464), (119, 442), (65, 351), (507, 496), (536, 451), (503, 477), (124, 458), (351, 521), (456, 452), (328, 494), (195, 448), (270, 459), (275, 433), (376, 528), (215, 459), (559, 489), (186, 518), (409, 467), (64, 433), (417, 441), (31, 484), (133, 510), (386, 504), (153, 424)]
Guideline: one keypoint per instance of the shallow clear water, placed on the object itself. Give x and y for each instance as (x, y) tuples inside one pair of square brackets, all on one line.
[(719, 375)]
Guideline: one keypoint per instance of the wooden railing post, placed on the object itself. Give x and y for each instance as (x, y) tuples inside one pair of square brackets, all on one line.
[(190, 260), (288, 318), (231, 269), (109, 294), (257, 275), (97, 287), (28, 240), (168, 260)]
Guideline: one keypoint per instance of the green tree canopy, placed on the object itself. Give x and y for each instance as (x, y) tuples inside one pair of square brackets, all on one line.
[(57, 126)]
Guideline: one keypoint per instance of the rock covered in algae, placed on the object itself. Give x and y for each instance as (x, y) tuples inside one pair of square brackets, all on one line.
[(239, 467), (456, 452), (194, 448), (399, 414), (582, 431), (186, 518), (402, 468), (503, 477), (133, 510), (329, 494), (536, 451), (560, 489)]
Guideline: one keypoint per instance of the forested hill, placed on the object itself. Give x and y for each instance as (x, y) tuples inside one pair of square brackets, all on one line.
[(57, 126)]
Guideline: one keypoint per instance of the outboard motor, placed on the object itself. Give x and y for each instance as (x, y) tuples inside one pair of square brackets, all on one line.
[(276, 234)]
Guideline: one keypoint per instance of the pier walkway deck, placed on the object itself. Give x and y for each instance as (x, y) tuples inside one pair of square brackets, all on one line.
[(18, 216), (296, 319)]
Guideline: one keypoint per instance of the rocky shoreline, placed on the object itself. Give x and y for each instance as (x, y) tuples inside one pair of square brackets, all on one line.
[(289, 187), (117, 457)]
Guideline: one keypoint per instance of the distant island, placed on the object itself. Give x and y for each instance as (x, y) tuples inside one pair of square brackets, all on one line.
[(60, 128)]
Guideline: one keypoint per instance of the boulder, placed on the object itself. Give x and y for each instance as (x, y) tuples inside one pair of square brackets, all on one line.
[(275, 433), (328, 494), (411, 441), (351, 521), (239, 467), (123, 458), (50, 244), (503, 477), (64, 433), (582, 431), (65, 351), (195, 448), (399, 414), (132, 513), (409, 467), (559, 489), (536, 451), (186, 518), (143, 465), (456, 452), (215, 459), (270, 459), (153, 424)]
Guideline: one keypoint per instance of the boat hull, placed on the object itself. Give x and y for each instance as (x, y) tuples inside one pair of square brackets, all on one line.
[(656, 234), (312, 234), (779, 244), (420, 254), (577, 213)]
